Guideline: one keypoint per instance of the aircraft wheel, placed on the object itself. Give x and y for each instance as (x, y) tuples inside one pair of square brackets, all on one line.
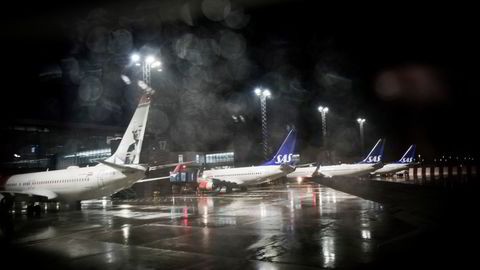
[(78, 205), (37, 210), (30, 210)]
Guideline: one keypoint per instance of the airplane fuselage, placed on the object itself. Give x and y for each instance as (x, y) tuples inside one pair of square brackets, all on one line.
[(246, 175), (392, 168), (73, 184), (334, 170)]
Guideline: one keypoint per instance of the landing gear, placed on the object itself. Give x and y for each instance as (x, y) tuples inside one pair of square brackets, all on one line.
[(30, 209), (34, 210), (78, 205)]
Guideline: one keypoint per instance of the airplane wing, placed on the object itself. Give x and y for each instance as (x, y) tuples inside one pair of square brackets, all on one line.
[(305, 165), (42, 193), (152, 168), (152, 179), (324, 174), (318, 172)]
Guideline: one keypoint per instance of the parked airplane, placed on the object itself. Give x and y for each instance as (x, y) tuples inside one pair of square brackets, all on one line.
[(242, 177), (407, 160), (372, 162), (74, 184)]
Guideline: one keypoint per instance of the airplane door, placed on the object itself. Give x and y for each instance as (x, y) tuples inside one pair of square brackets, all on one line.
[(100, 182)]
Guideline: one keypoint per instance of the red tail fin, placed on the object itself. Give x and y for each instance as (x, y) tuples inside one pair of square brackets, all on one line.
[(179, 168)]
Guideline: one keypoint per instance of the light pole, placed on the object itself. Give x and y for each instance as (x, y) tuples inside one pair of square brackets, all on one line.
[(264, 94), (146, 63), (360, 122), (324, 110)]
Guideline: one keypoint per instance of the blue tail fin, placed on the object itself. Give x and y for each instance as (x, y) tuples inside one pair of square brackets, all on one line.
[(285, 152), (409, 156), (376, 155)]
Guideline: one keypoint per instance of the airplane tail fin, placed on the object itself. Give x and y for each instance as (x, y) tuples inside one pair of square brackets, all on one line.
[(409, 156), (128, 151), (376, 154), (285, 152)]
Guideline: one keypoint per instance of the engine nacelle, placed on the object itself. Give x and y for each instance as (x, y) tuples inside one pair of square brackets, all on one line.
[(207, 184)]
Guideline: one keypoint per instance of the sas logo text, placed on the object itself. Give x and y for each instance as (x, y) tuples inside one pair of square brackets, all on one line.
[(374, 158), (283, 159)]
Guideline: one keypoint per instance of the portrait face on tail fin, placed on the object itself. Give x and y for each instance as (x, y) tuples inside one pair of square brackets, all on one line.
[(132, 150)]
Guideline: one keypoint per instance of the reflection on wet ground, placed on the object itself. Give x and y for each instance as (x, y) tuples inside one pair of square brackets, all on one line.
[(291, 227)]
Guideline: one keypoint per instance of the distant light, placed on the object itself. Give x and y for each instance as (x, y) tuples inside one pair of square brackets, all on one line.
[(299, 179), (159, 70), (135, 57), (322, 109), (267, 93), (150, 59), (137, 64), (156, 64), (258, 92), (16, 155)]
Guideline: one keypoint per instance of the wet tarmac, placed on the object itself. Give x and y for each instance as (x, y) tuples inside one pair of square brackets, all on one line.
[(287, 227)]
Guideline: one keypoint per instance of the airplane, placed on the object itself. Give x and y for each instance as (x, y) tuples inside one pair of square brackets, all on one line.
[(74, 184), (407, 160), (371, 162), (278, 166)]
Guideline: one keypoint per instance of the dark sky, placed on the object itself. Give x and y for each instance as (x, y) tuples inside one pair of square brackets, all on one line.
[(410, 70)]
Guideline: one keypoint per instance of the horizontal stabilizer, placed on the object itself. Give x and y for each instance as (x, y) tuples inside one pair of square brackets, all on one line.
[(152, 179), (158, 167), (122, 167)]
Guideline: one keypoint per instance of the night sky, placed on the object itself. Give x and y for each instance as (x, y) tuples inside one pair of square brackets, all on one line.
[(410, 70)]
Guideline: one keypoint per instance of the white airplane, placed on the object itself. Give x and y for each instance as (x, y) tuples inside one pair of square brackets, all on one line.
[(212, 180), (372, 162), (118, 172), (407, 160)]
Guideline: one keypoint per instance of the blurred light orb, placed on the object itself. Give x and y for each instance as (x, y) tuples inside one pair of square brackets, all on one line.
[(216, 10), (120, 41), (90, 89), (237, 19), (232, 45), (97, 39)]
